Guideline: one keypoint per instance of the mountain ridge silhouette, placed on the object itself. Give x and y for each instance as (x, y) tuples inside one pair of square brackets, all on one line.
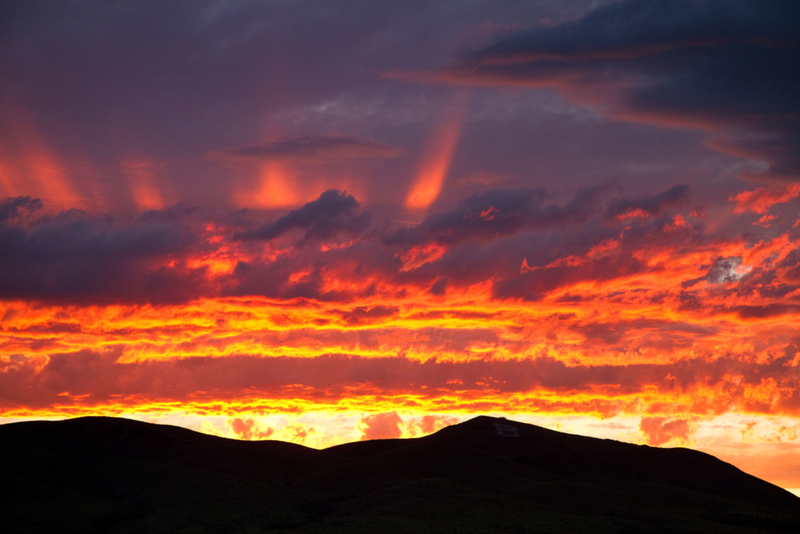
[(492, 475)]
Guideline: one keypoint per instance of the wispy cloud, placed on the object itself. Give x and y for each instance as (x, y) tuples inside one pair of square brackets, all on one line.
[(309, 148)]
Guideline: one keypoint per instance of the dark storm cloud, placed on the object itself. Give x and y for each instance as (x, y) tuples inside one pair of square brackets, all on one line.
[(649, 206), (501, 212), (333, 213), (719, 65), (310, 148), (76, 258)]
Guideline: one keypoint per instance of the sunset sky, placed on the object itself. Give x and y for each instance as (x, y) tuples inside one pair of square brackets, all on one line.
[(329, 221)]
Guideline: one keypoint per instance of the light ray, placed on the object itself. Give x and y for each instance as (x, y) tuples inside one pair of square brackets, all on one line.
[(438, 155)]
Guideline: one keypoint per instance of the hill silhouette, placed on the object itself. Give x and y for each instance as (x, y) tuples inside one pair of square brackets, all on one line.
[(486, 475)]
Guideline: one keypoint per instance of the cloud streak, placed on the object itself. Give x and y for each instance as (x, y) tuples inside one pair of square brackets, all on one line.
[(501, 212), (649, 206), (309, 148), (333, 213)]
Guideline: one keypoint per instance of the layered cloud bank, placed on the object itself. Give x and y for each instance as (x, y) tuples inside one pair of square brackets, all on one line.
[(508, 302)]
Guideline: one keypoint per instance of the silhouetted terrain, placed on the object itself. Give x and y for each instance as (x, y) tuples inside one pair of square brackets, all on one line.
[(484, 475)]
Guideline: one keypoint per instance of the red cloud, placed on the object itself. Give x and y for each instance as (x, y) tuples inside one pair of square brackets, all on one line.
[(429, 424), (248, 429), (658, 430), (381, 426)]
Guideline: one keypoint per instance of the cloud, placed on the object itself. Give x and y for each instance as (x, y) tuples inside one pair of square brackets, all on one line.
[(715, 65), (181, 254), (367, 314), (722, 271), (13, 208), (714, 383), (534, 284), (381, 426), (248, 429), (725, 270), (500, 212), (428, 424), (310, 148), (660, 430), (286, 279), (761, 199), (765, 312), (657, 332), (528, 247), (648, 206), (439, 287), (77, 258), (333, 213), (790, 268)]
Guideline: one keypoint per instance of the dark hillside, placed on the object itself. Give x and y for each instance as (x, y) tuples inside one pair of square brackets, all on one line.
[(484, 475)]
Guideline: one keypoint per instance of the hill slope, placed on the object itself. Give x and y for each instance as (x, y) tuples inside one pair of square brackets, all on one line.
[(484, 475)]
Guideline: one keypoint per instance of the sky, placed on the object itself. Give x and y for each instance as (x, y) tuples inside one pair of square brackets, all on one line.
[(329, 221)]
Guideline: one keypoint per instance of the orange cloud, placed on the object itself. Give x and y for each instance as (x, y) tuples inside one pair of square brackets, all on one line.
[(428, 424), (761, 199), (381, 426), (659, 430), (248, 429)]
